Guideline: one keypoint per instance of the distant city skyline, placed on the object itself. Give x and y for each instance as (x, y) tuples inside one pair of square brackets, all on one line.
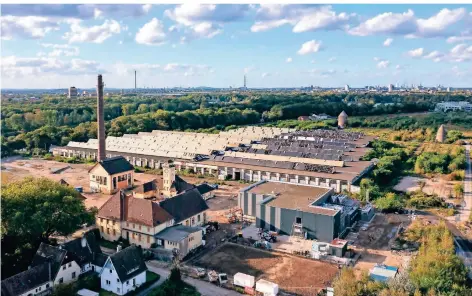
[(190, 45)]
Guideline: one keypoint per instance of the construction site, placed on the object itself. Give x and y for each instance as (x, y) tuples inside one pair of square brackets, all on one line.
[(279, 268)]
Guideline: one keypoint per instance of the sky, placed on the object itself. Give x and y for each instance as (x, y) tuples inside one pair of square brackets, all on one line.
[(274, 45)]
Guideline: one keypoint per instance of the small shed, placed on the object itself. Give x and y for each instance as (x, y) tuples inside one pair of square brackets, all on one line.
[(383, 273), (244, 280), (338, 247), (267, 288)]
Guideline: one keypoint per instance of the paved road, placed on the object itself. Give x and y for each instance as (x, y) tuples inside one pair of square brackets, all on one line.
[(205, 288)]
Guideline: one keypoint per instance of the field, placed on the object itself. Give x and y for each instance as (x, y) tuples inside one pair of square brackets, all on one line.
[(281, 269)]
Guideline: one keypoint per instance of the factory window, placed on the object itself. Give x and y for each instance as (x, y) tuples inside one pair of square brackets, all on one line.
[(299, 220), (70, 264), (101, 228), (198, 218), (193, 220), (129, 179), (114, 232), (61, 280), (73, 275), (148, 239), (105, 181)]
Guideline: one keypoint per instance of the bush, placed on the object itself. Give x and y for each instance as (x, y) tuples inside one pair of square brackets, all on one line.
[(420, 200), (389, 203)]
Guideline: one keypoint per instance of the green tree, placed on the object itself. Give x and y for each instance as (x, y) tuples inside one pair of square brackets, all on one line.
[(458, 190), (32, 210)]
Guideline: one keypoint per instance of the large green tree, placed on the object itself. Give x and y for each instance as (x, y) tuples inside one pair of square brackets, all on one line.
[(32, 211)]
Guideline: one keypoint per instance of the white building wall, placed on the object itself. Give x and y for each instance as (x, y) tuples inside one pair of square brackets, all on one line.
[(69, 272), (109, 279), (38, 289), (138, 280)]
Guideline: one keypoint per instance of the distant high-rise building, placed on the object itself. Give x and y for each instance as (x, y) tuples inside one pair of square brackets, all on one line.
[(245, 82), (72, 93), (448, 89), (390, 87), (346, 87)]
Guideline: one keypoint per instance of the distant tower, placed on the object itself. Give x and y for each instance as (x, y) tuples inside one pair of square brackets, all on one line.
[(390, 88), (168, 173), (346, 87), (72, 93), (134, 79), (441, 135), (342, 120), (100, 121), (245, 81)]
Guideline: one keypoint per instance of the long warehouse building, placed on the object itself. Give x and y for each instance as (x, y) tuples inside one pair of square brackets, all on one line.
[(328, 158)]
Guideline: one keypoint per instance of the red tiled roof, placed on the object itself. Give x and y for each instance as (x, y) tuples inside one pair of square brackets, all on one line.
[(136, 210)]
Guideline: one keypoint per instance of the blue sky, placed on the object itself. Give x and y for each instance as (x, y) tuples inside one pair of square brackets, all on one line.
[(52, 46)]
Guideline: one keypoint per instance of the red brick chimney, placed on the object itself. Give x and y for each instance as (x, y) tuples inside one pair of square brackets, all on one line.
[(100, 121)]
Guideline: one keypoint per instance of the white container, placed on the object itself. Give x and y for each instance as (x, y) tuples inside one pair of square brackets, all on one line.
[(244, 280), (267, 288)]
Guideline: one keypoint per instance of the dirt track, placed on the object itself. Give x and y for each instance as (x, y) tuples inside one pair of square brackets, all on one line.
[(293, 274)]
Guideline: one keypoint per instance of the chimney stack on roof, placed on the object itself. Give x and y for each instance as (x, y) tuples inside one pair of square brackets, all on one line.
[(342, 120), (100, 121), (441, 135)]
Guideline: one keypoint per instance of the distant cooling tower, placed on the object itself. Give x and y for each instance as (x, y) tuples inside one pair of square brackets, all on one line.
[(100, 121), (342, 120)]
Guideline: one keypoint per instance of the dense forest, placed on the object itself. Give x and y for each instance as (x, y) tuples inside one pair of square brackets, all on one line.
[(56, 121)]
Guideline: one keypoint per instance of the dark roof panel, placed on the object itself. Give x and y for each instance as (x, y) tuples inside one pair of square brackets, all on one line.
[(115, 165), (27, 280), (184, 205), (204, 188), (128, 262)]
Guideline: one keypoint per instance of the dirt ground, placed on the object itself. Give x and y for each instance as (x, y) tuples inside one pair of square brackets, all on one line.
[(373, 243), (284, 270), (437, 186), (15, 168)]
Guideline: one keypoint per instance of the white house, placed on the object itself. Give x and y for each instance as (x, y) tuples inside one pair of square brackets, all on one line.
[(55, 265), (124, 271)]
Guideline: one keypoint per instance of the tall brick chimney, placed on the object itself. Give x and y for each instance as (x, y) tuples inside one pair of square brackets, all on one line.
[(100, 121)]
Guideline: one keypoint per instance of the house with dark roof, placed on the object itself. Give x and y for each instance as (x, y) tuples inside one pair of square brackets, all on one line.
[(55, 265), (146, 190), (141, 220), (111, 174), (37, 280), (124, 271)]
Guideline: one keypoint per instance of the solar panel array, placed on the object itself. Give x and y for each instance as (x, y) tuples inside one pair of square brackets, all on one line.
[(275, 164), (329, 134)]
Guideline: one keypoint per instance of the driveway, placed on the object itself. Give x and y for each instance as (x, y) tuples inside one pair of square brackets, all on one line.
[(205, 288)]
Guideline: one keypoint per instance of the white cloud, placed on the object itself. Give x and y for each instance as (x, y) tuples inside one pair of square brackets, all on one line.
[(416, 53), (61, 50), (398, 67), (435, 56), (312, 61), (206, 30), (387, 23), (465, 35), (249, 69), (94, 34), (310, 47), (170, 69), (409, 25), (205, 21), (437, 24), (289, 60), (14, 67), (302, 18), (383, 64), (77, 11), (152, 33), (332, 59), (265, 74), (388, 42), (29, 27)]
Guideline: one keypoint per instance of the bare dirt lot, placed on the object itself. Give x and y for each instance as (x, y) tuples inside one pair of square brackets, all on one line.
[(374, 243), (16, 168), (293, 274), (439, 186)]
